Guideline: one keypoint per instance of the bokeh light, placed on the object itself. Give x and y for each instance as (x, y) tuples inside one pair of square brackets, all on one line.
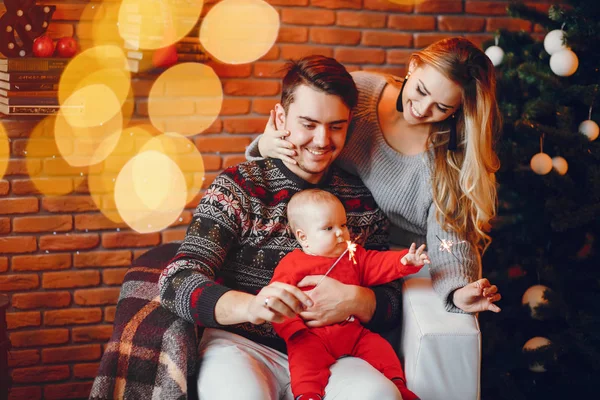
[(103, 65), (150, 192), (48, 170), (88, 145), (239, 31), (152, 25), (4, 151), (188, 93), (185, 154), (98, 103), (99, 24), (103, 176)]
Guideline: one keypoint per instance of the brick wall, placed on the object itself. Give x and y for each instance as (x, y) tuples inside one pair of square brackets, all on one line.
[(62, 261)]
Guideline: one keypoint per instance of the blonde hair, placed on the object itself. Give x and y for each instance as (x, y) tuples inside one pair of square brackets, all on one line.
[(297, 205), (464, 182)]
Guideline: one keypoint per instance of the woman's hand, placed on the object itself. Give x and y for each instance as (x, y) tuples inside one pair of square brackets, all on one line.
[(272, 143), (477, 296), (277, 301), (335, 302)]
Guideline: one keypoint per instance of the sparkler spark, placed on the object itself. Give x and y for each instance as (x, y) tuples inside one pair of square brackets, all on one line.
[(350, 249), (446, 245)]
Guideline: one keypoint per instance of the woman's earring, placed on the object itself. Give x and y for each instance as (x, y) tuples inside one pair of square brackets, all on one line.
[(399, 105), (453, 139)]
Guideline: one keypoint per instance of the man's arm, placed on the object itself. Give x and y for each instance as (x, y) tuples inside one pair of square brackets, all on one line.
[(289, 271), (187, 285)]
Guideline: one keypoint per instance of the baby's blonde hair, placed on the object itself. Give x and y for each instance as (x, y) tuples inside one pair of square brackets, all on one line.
[(297, 205)]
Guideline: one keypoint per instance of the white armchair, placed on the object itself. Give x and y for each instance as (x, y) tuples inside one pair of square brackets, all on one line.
[(441, 351)]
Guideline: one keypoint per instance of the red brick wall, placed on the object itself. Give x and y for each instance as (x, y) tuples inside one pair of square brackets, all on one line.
[(50, 247)]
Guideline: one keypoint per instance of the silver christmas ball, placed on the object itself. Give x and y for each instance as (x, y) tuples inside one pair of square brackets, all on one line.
[(495, 54), (560, 165), (554, 41), (541, 163), (564, 62), (590, 129)]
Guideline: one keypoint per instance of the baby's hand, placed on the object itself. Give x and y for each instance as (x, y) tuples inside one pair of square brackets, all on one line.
[(417, 257)]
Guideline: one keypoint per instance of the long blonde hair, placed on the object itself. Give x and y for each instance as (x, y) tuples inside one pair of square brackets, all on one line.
[(464, 182)]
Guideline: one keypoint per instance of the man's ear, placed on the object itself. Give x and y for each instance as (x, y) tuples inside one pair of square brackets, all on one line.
[(412, 66), (279, 117), (301, 236)]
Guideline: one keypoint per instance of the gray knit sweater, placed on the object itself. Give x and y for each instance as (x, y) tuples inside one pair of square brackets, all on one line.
[(401, 185)]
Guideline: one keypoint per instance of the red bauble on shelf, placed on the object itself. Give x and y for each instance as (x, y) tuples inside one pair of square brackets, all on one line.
[(165, 57), (66, 47), (43, 46)]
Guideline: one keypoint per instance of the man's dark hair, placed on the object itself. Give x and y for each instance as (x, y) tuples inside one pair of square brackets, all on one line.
[(321, 73)]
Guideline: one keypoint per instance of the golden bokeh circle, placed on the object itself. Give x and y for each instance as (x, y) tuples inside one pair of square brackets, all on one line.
[(239, 31), (87, 145), (103, 176), (150, 192), (49, 172), (185, 154), (152, 25), (98, 24), (187, 97), (98, 105), (103, 65), (4, 151)]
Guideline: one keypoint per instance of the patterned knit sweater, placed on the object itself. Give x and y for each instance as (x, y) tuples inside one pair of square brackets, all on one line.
[(401, 186), (239, 234)]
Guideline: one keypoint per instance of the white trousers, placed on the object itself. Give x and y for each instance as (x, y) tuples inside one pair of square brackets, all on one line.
[(235, 368)]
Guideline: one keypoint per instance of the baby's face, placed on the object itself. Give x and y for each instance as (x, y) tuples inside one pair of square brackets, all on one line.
[(325, 229)]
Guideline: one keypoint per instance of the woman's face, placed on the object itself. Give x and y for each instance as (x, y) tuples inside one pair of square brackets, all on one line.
[(429, 96)]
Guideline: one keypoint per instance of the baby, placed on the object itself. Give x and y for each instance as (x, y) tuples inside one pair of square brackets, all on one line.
[(318, 220)]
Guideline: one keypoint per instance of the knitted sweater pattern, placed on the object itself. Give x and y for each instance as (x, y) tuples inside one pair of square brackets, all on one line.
[(239, 234), (401, 186)]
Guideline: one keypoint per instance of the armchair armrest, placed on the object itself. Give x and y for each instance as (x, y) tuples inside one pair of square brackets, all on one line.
[(441, 350)]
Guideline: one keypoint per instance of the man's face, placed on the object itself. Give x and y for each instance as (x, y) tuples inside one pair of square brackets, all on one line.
[(318, 123)]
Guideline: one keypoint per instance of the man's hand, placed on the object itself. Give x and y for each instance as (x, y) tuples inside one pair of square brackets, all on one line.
[(276, 302), (334, 302), (417, 257), (477, 296)]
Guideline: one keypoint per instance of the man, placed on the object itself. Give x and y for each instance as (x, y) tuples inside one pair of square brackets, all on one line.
[(220, 276)]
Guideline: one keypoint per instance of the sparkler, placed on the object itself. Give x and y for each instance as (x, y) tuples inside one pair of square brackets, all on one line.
[(350, 249), (446, 245)]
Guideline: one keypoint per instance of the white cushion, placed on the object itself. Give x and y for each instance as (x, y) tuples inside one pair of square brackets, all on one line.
[(441, 350)]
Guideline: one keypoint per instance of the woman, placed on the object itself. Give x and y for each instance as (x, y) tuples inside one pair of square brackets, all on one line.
[(430, 134)]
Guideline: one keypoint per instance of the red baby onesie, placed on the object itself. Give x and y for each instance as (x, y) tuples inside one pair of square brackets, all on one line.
[(311, 351)]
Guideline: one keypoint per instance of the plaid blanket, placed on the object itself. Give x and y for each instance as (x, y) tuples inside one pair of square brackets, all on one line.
[(152, 352)]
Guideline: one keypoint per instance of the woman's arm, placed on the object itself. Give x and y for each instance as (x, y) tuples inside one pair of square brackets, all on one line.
[(252, 152), (456, 271), (271, 143), (187, 285)]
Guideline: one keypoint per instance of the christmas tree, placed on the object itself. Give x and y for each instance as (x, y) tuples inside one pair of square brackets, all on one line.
[(545, 257)]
